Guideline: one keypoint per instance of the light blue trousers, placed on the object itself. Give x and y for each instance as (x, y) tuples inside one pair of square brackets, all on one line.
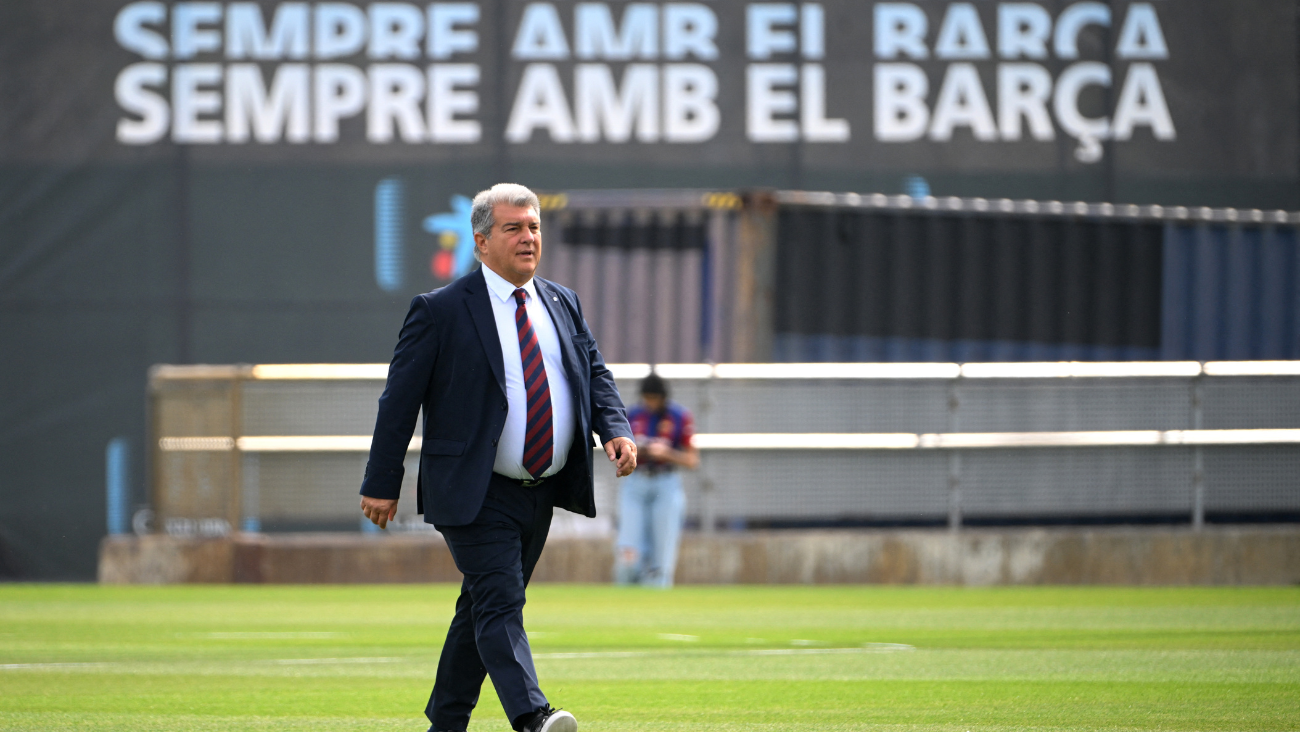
[(651, 509)]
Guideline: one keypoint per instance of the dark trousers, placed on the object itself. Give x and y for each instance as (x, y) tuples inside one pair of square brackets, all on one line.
[(497, 553)]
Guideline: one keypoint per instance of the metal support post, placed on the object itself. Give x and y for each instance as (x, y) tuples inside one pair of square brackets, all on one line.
[(235, 502), (954, 461), (954, 490), (1198, 458), (708, 511)]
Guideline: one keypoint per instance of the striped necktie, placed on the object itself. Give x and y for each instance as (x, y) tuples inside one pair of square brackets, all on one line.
[(538, 439)]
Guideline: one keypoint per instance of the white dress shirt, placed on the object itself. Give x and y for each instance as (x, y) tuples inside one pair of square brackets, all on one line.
[(510, 449)]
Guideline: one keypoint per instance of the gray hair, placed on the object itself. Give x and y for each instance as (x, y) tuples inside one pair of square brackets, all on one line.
[(511, 194)]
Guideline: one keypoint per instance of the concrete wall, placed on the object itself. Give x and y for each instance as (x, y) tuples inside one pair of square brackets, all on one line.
[(1221, 556), (1124, 556), (322, 559)]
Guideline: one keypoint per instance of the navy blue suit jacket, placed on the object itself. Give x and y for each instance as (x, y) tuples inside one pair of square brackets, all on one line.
[(448, 361)]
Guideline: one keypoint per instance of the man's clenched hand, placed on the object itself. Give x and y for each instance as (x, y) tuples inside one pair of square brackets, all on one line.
[(622, 451), (379, 510)]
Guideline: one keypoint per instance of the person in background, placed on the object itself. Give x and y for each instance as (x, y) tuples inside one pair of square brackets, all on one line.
[(651, 501)]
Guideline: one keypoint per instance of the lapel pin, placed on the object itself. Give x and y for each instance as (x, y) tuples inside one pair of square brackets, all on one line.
[(555, 298)]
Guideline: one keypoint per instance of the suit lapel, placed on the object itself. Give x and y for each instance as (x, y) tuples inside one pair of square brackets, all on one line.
[(563, 325), (480, 310)]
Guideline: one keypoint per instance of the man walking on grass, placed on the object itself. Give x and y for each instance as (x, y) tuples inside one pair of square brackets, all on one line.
[(512, 386)]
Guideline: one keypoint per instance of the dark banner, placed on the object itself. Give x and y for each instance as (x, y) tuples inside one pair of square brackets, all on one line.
[(1133, 101)]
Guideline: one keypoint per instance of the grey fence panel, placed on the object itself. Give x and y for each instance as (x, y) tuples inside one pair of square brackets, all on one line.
[(305, 488), (310, 407), (839, 406), (1251, 402), (310, 490), (824, 485), (1252, 478), (1020, 405), (1046, 482), (742, 405)]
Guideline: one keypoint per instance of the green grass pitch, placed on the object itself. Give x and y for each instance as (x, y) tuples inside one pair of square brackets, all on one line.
[(695, 658)]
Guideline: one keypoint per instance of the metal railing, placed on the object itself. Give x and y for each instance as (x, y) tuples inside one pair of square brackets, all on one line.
[(954, 442), (215, 460)]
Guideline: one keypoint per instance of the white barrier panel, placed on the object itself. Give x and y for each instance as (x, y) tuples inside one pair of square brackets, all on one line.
[(802, 443)]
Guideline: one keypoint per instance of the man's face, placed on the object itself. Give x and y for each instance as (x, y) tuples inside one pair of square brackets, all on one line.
[(653, 402), (514, 246)]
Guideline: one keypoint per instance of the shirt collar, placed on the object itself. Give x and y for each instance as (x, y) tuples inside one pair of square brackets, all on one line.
[(503, 289)]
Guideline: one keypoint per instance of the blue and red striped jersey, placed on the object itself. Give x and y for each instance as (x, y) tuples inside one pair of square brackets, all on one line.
[(674, 424)]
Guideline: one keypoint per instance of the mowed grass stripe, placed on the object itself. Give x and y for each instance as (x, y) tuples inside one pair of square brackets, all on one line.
[(630, 704), (1020, 704), (943, 664), (198, 658)]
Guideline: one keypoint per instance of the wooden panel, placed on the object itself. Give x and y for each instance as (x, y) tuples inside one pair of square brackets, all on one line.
[(192, 490), (689, 271), (639, 314), (612, 337)]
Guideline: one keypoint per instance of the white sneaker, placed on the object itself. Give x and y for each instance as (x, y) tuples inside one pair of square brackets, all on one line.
[(554, 720)]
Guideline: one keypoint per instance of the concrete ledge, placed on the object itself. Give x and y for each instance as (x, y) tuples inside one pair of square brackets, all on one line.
[(1120, 556), (1123, 556), (341, 558), (158, 559), (323, 559)]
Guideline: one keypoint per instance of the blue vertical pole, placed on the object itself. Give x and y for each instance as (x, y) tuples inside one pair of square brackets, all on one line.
[(389, 246), (251, 472), (116, 482)]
